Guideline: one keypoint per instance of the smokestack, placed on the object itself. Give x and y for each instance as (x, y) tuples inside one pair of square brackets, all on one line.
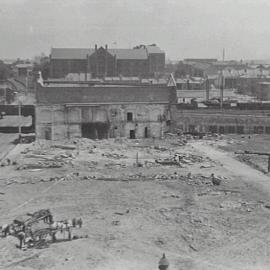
[(95, 47), (106, 61)]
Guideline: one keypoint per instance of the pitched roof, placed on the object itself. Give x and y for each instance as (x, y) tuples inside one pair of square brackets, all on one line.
[(103, 94), (70, 53), (124, 54), (153, 49), (129, 53)]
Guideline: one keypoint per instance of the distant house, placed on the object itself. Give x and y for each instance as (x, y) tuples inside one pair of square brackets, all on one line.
[(143, 61), (23, 69)]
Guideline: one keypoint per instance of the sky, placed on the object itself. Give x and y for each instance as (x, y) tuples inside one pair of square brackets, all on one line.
[(182, 28)]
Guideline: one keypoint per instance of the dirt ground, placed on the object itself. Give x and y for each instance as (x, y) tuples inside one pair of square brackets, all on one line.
[(251, 143), (134, 209)]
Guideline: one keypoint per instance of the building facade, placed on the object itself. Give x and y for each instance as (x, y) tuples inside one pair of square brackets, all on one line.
[(142, 61), (102, 111)]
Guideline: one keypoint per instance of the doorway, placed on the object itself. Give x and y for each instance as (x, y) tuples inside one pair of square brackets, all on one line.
[(132, 134), (96, 130), (145, 132)]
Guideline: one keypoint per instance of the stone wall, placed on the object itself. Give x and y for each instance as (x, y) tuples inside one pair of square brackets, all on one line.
[(58, 122)]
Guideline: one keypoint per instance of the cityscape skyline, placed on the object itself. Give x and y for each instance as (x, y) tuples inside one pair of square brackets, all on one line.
[(183, 29)]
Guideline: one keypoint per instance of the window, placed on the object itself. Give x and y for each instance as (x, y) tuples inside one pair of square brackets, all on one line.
[(258, 129), (129, 117), (213, 129), (231, 129), (132, 134), (240, 129), (114, 112), (221, 130)]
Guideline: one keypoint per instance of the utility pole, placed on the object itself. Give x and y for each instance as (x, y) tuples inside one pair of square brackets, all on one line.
[(20, 120), (221, 90), (223, 55), (207, 87)]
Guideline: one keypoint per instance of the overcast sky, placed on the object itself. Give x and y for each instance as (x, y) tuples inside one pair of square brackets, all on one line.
[(183, 28)]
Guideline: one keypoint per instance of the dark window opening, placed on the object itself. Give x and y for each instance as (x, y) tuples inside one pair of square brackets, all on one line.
[(48, 133), (130, 116), (96, 130), (168, 122), (114, 113), (258, 129), (231, 129), (213, 129), (132, 134), (191, 128), (146, 132), (267, 130), (240, 129), (221, 130)]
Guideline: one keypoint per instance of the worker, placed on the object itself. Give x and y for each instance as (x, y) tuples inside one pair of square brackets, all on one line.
[(74, 222), (216, 181), (163, 263), (53, 236), (21, 236), (79, 222)]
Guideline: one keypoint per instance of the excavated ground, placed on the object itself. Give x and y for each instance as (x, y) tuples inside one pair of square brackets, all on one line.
[(134, 209)]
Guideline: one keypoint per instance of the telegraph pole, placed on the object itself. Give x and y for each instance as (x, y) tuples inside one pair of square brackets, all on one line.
[(221, 90), (20, 120)]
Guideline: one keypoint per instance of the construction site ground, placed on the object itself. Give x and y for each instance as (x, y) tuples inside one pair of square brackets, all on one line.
[(134, 209)]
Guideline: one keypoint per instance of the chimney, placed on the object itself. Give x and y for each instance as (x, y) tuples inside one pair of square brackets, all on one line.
[(106, 47), (95, 47)]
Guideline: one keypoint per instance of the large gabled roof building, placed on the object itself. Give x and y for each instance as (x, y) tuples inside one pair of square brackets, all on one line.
[(143, 61)]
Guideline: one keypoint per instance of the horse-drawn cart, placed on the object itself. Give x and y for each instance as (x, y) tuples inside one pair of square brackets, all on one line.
[(33, 230)]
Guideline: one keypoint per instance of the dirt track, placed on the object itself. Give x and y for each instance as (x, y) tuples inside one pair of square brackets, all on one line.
[(130, 224)]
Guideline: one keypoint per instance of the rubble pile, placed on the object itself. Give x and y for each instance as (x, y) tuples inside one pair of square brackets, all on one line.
[(114, 155), (182, 160)]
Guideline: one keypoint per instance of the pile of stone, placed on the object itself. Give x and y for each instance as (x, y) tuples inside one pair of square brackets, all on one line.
[(40, 165), (114, 155)]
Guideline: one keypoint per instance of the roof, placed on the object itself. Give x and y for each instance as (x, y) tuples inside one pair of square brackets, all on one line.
[(123, 54), (24, 65), (129, 53), (154, 49), (103, 94), (201, 60), (70, 53)]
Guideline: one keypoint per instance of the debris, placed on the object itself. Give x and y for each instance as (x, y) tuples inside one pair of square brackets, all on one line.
[(216, 181), (113, 155), (65, 147), (206, 166), (115, 222), (167, 162)]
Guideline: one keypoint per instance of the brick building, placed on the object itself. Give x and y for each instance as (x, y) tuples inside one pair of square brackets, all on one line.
[(143, 61)]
